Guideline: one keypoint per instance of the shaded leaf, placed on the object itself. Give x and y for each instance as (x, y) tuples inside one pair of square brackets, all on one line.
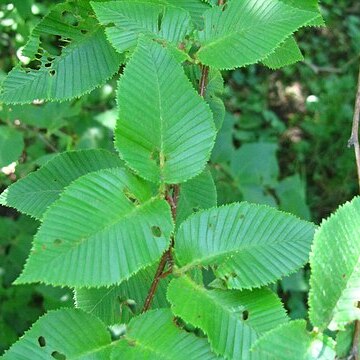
[(118, 304), (11, 145)]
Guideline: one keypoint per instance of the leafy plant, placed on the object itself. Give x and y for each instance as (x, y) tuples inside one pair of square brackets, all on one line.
[(141, 230)]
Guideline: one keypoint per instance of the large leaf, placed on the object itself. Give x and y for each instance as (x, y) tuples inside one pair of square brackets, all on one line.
[(196, 194), (103, 229), (70, 73), (36, 192), (232, 319), (292, 341), (154, 335), (64, 334), (126, 20), (165, 130), (247, 245), (119, 303), (230, 40), (11, 145), (335, 269)]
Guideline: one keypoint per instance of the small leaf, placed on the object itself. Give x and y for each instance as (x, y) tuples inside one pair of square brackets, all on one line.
[(99, 232), (247, 245), (63, 334), (197, 194), (11, 145), (335, 269), (154, 335), (37, 191), (232, 319), (165, 130), (287, 53)]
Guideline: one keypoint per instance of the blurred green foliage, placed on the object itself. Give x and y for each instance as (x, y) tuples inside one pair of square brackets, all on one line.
[(283, 143)]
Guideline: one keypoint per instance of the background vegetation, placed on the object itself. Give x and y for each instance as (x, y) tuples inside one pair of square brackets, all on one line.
[(283, 143)]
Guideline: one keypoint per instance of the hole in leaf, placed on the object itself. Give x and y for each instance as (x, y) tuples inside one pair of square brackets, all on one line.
[(70, 18), (131, 196), (196, 209), (155, 155), (84, 31), (245, 315), (159, 22), (58, 356), (41, 341), (156, 231), (47, 64), (50, 58), (52, 72), (57, 242)]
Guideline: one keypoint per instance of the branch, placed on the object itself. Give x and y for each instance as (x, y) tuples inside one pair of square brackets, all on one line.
[(166, 259), (203, 80), (158, 276), (354, 138), (355, 344)]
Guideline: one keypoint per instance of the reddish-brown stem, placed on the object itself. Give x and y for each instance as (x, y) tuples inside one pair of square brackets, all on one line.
[(166, 259), (203, 80), (172, 197), (158, 276), (355, 342)]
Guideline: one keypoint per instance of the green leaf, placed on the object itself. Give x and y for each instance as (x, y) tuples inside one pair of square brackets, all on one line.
[(102, 230), (247, 245), (287, 53), (118, 304), (68, 74), (165, 130), (335, 270), (255, 164), (344, 342), (63, 334), (126, 20), (36, 192), (196, 194), (230, 41), (11, 145), (308, 5), (292, 195), (292, 341), (154, 335), (232, 319)]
